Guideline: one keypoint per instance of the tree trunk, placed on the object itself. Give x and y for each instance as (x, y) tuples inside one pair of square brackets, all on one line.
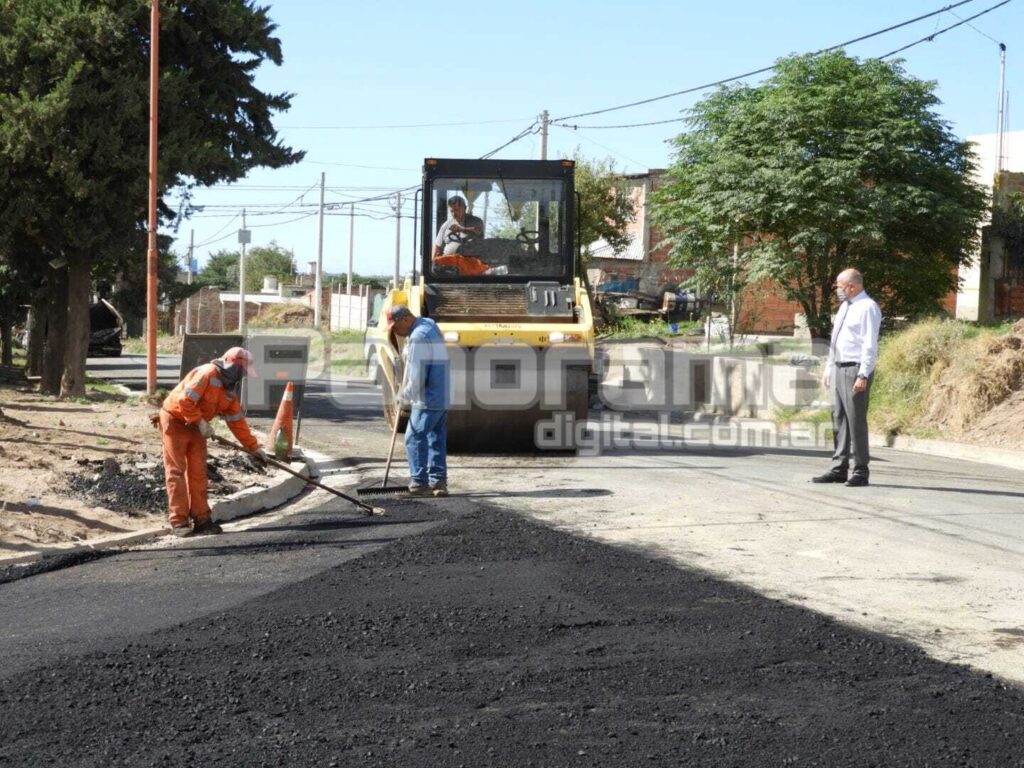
[(76, 349), (56, 330), (36, 328), (6, 340)]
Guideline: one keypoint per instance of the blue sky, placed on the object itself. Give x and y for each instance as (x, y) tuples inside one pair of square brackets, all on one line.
[(357, 68)]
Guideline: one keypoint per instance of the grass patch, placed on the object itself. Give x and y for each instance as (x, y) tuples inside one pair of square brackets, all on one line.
[(905, 395), (785, 417), (634, 328), (166, 344)]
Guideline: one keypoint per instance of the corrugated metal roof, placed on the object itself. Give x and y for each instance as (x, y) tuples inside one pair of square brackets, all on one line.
[(600, 249)]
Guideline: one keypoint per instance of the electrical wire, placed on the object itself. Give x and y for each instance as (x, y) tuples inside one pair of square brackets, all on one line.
[(762, 70), (932, 36), (533, 128), (367, 167), (980, 32), (387, 127), (630, 125), (207, 242)]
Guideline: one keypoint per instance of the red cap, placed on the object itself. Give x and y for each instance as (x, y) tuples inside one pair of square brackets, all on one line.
[(397, 312), (242, 357)]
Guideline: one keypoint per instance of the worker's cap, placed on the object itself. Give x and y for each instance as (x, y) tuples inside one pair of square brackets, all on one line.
[(397, 313), (241, 357)]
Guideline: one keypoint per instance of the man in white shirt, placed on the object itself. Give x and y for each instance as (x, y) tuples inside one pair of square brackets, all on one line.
[(850, 370), (457, 229)]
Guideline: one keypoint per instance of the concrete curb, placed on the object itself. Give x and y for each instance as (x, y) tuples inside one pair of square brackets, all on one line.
[(1000, 457), (246, 502)]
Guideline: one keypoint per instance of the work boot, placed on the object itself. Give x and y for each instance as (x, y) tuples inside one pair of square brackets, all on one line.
[(441, 489), (419, 490), (857, 481), (832, 476), (181, 531), (208, 528)]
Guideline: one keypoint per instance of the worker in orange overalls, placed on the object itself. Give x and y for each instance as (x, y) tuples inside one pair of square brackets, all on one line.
[(185, 415)]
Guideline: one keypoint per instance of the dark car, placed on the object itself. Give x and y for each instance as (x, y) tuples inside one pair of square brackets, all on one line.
[(105, 325)]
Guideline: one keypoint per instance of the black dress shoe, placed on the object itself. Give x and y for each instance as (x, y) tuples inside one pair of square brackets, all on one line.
[(830, 477), (856, 481)]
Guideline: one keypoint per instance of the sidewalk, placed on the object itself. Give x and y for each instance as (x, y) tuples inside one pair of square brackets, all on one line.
[(283, 487)]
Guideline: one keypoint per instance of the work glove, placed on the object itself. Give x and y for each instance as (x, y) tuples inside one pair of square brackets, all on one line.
[(205, 429), (258, 459)]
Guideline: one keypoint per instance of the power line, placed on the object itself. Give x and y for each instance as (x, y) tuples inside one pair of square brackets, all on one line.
[(983, 34), (932, 36), (630, 125), (762, 70), (387, 127), (513, 140), (200, 245), (367, 167)]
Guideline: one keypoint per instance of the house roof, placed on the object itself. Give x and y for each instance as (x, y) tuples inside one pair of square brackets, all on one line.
[(600, 249)]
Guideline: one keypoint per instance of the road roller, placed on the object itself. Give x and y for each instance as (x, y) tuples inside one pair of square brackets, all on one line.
[(498, 270)]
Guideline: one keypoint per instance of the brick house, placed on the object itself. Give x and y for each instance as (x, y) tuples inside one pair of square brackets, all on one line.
[(645, 261)]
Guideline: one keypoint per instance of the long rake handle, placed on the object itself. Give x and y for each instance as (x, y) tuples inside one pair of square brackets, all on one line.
[(290, 471), (394, 430)]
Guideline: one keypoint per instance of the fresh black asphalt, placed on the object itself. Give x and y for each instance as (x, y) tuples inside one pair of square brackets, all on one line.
[(451, 633)]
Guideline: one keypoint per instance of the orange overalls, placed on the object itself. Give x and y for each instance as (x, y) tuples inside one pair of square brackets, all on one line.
[(467, 265), (200, 395)]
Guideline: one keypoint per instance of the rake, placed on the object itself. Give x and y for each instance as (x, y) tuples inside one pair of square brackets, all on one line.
[(384, 489), (274, 463)]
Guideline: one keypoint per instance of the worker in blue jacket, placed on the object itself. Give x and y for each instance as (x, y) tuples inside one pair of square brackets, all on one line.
[(425, 393)]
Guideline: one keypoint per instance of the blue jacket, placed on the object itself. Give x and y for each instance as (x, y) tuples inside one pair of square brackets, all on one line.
[(426, 385)]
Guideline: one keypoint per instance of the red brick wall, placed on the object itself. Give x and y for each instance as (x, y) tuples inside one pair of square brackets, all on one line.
[(764, 308)]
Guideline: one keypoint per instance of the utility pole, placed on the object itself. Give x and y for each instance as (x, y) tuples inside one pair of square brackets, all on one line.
[(188, 299), (243, 239), (317, 287), (1001, 119), (151, 254), (398, 236), (544, 122), (351, 243)]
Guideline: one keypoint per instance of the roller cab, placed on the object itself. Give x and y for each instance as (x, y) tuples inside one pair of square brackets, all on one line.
[(500, 276)]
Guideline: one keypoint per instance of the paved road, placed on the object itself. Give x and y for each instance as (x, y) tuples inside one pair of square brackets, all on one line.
[(130, 370), (931, 552)]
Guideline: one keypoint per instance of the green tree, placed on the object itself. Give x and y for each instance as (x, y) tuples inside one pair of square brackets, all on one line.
[(74, 81), (831, 163), (220, 271), (268, 260), (606, 205)]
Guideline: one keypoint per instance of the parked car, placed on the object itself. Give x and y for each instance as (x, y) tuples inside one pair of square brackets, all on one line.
[(105, 327)]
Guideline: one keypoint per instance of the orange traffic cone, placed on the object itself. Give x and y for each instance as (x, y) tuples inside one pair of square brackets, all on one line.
[(279, 441)]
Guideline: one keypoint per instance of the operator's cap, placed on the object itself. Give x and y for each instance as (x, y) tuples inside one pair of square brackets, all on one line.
[(396, 313), (241, 357)]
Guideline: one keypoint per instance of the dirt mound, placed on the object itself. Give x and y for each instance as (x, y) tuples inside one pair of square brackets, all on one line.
[(980, 392), (78, 470), (290, 315)]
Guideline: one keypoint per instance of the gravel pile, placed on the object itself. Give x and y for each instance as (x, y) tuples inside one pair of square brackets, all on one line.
[(135, 486)]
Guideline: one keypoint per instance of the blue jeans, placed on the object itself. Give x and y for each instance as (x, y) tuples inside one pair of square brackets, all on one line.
[(426, 445)]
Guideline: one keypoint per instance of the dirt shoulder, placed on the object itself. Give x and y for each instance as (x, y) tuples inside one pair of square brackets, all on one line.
[(74, 471)]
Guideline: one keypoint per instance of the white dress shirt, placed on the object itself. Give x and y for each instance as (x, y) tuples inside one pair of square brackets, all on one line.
[(855, 334)]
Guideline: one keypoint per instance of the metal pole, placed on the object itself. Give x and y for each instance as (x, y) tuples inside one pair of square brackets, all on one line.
[(317, 287), (151, 254), (398, 236), (1000, 121), (544, 118), (351, 251), (241, 284), (188, 299)]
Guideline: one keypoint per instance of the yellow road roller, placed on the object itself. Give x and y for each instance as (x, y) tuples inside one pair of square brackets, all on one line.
[(498, 271)]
